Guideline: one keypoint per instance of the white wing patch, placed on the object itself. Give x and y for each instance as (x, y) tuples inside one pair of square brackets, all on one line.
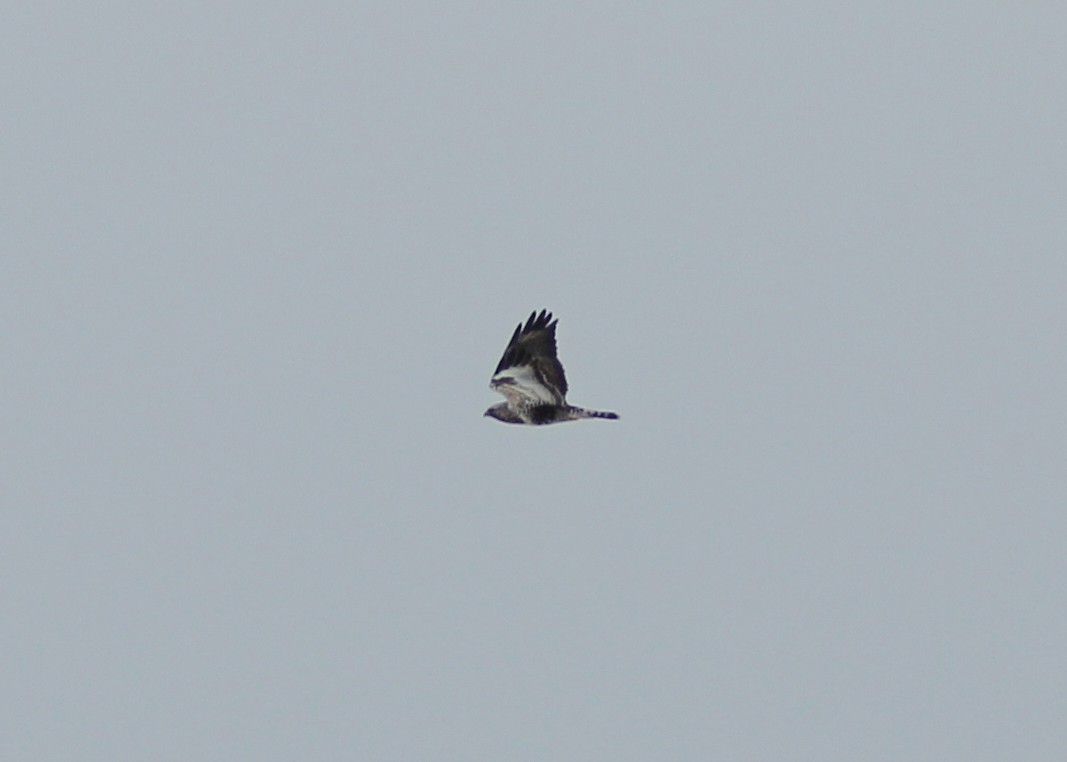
[(521, 386)]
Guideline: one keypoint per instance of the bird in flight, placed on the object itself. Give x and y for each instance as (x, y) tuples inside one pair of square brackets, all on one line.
[(531, 378)]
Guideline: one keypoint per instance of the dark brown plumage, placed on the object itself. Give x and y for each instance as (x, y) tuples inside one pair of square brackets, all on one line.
[(531, 377)]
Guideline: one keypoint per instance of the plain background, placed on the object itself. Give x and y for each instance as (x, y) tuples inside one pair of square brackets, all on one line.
[(260, 259)]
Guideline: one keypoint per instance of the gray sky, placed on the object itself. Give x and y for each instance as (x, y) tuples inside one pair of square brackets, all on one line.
[(260, 261)]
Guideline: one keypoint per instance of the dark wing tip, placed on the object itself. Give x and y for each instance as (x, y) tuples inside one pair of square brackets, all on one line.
[(516, 353), (537, 321)]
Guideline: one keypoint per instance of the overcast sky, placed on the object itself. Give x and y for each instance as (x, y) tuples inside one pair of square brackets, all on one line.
[(260, 260)]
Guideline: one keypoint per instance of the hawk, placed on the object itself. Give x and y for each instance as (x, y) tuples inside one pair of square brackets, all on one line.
[(531, 378)]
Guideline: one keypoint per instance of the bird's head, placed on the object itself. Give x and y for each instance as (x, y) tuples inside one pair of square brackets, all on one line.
[(502, 413)]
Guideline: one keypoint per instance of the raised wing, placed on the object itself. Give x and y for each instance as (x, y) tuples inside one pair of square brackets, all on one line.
[(529, 371)]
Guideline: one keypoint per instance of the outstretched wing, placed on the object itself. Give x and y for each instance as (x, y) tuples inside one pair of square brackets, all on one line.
[(529, 372)]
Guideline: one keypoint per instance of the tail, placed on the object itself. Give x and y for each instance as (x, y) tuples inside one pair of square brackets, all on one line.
[(581, 412)]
